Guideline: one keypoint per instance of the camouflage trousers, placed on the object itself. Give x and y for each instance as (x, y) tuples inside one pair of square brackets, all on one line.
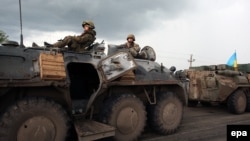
[(70, 42)]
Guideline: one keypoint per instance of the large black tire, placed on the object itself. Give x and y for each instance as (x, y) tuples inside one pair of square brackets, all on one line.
[(166, 115), (237, 102), (247, 92), (34, 119), (127, 114), (248, 104)]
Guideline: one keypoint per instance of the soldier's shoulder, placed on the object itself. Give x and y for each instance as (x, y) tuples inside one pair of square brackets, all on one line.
[(92, 32), (135, 44)]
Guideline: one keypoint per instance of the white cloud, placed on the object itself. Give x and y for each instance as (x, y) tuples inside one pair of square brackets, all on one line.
[(51, 37), (211, 35), (211, 30)]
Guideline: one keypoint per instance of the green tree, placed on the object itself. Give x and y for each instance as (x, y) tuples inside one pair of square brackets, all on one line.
[(3, 36)]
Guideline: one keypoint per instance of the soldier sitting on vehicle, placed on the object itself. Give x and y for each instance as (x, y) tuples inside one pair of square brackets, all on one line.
[(78, 43), (133, 47)]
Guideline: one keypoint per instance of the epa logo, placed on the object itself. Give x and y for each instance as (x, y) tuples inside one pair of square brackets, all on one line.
[(238, 134)]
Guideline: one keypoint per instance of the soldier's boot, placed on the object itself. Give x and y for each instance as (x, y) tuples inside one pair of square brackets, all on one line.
[(35, 45), (48, 44)]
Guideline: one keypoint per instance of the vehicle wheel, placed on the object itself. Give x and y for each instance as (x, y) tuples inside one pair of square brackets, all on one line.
[(247, 92), (248, 104), (192, 103), (166, 115), (237, 102), (34, 119), (127, 114)]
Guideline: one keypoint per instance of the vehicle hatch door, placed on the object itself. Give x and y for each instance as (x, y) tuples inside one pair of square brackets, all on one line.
[(117, 65)]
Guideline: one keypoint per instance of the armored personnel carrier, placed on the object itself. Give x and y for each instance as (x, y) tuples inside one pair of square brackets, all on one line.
[(220, 84), (56, 94)]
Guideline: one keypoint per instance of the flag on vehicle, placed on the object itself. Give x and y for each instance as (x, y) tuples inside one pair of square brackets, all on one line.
[(232, 61)]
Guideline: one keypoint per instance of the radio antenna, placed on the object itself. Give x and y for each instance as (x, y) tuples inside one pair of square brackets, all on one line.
[(21, 36)]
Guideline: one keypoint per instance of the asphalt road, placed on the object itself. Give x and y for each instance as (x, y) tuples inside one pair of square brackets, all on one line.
[(201, 123)]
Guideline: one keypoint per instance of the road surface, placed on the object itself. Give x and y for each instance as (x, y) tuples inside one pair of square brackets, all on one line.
[(201, 123)]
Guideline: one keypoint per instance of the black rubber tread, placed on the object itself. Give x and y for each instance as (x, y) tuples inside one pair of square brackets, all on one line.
[(27, 108), (114, 105), (247, 92), (155, 113), (234, 104), (192, 103), (248, 104)]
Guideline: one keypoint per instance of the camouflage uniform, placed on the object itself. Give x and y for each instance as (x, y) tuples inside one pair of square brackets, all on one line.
[(134, 48), (78, 43)]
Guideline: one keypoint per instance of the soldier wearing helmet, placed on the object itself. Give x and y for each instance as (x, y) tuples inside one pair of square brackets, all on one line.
[(78, 43), (133, 47)]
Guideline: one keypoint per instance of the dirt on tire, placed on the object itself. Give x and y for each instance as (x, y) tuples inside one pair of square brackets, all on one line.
[(237, 102), (127, 114), (34, 119), (166, 116)]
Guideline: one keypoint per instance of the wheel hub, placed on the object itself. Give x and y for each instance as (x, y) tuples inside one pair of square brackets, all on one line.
[(242, 101), (127, 120), (37, 128), (169, 113)]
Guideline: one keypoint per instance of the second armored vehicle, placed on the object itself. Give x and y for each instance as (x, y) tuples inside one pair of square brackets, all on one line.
[(221, 84)]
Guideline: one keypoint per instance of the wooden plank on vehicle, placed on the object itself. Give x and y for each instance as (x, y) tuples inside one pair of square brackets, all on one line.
[(53, 63), (53, 73), (129, 76), (52, 57), (52, 66)]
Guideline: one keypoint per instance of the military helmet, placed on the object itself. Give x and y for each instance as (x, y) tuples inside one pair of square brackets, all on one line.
[(132, 36), (90, 23)]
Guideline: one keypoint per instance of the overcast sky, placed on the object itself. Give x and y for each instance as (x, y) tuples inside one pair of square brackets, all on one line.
[(210, 30)]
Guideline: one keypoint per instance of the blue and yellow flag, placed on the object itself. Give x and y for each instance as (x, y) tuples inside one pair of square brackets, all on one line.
[(232, 61)]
